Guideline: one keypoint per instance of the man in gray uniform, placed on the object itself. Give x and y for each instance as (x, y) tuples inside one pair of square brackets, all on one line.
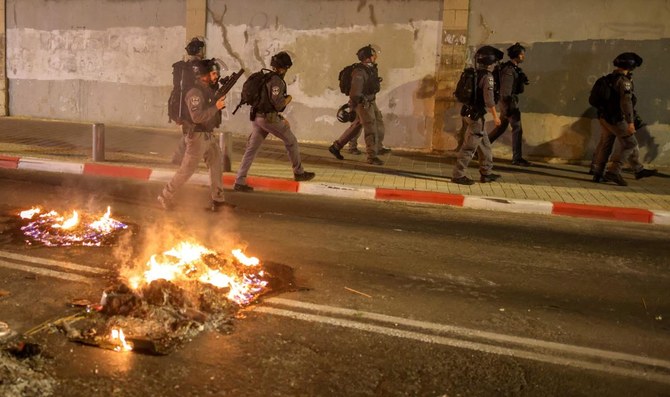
[(266, 119), (365, 84), (475, 137), (182, 76), (204, 113), (512, 83), (617, 118)]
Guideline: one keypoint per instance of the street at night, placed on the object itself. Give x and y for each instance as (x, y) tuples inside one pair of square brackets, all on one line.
[(387, 298)]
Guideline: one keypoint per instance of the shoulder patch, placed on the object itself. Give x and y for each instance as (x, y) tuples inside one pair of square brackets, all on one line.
[(195, 101), (275, 90), (490, 81), (627, 85)]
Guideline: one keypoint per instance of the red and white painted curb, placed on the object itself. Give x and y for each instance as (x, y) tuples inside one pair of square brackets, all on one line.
[(344, 191)]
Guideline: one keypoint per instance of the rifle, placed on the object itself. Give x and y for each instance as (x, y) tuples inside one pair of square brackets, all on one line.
[(227, 83)]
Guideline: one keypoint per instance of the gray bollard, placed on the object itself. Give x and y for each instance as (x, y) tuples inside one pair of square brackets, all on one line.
[(98, 142), (226, 144)]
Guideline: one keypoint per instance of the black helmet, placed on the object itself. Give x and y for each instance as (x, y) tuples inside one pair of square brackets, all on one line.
[(488, 55), (281, 60), (514, 50), (194, 47), (345, 114), (627, 61), (215, 64), (365, 52), (201, 67)]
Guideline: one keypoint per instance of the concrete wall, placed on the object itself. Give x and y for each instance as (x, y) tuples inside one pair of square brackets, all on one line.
[(570, 44), (106, 61), (109, 61)]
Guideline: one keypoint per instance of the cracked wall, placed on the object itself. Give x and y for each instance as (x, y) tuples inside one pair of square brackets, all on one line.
[(111, 63)]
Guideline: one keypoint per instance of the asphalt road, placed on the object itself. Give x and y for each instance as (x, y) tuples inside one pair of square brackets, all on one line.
[(394, 298)]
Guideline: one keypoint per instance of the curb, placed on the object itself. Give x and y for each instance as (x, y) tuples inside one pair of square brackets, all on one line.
[(344, 191)]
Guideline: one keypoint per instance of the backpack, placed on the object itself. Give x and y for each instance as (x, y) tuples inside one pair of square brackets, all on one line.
[(252, 89), (603, 92), (182, 81), (466, 87), (345, 77)]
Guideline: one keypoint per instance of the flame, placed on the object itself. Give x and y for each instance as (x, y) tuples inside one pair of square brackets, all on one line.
[(70, 222), (117, 335), (185, 262), (28, 214), (245, 260), (52, 229)]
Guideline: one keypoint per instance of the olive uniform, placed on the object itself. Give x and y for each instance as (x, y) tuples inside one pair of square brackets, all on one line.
[(512, 81), (614, 124), (200, 143), (266, 119), (475, 138)]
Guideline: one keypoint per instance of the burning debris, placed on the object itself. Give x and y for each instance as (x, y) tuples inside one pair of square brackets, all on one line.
[(175, 296), (53, 229)]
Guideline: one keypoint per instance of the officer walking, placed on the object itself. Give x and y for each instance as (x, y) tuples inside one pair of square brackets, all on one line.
[(475, 136), (182, 78), (204, 114), (266, 119), (512, 83), (617, 119), (365, 84)]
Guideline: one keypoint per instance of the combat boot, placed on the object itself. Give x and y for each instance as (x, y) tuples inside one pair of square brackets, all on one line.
[(464, 180), (215, 205), (489, 178), (305, 176), (616, 178), (335, 152), (375, 161), (238, 187), (643, 173)]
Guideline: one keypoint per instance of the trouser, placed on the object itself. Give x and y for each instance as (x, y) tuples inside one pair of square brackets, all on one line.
[(275, 124), (513, 118), (199, 145), (373, 127), (475, 139), (350, 135), (460, 135), (626, 150), (603, 149), (178, 154)]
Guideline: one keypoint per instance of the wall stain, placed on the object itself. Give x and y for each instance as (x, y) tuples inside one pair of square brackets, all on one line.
[(224, 34), (361, 4), (373, 18)]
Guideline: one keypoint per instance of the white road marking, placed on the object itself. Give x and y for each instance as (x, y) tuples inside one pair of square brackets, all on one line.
[(50, 262), (47, 272), (576, 356)]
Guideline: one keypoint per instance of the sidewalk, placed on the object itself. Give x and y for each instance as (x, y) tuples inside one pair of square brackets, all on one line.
[(558, 189)]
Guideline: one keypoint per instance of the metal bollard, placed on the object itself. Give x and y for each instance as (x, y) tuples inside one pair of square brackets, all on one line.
[(98, 142), (226, 144)]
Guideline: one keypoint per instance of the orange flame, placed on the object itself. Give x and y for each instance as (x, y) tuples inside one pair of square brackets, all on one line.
[(70, 222), (117, 335), (184, 262)]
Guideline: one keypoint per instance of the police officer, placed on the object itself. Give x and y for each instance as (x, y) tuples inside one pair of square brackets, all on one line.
[(266, 119), (475, 137), (182, 76), (365, 84), (512, 83), (200, 142), (617, 119)]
